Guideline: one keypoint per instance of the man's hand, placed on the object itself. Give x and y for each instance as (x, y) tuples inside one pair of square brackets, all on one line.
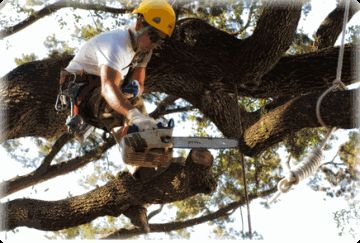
[(143, 122), (132, 89)]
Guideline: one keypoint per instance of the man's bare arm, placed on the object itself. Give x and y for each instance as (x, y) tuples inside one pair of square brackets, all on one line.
[(111, 80)]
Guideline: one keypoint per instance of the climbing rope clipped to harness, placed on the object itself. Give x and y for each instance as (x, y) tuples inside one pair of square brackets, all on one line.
[(310, 165)]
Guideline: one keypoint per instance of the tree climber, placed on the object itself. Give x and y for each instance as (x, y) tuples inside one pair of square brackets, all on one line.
[(114, 63), (110, 55)]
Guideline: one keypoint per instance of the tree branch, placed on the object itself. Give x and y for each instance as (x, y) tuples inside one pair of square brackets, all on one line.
[(167, 227), (59, 143), (331, 26), (193, 68), (179, 109), (338, 109), (21, 182), (176, 183), (273, 35), (161, 108), (301, 74), (155, 212), (49, 9), (248, 22), (29, 108)]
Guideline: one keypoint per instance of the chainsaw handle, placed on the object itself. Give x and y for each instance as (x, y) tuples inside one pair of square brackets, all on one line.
[(133, 128), (170, 125)]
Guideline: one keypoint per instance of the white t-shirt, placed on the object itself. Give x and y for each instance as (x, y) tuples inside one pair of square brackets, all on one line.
[(110, 48)]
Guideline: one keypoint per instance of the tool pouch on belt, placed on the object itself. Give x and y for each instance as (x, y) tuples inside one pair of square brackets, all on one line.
[(92, 107), (98, 113)]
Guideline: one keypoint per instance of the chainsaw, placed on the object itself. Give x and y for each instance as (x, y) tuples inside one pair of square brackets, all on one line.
[(154, 148)]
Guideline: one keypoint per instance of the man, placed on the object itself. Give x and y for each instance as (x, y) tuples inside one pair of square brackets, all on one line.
[(111, 55), (119, 58)]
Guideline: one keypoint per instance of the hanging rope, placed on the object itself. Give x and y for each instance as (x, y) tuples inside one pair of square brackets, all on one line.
[(243, 167), (302, 170), (337, 83), (310, 165)]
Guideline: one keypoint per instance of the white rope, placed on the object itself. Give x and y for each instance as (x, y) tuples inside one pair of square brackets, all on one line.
[(341, 53), (302, 170), (319, 101), (337, 83), (310, 165)]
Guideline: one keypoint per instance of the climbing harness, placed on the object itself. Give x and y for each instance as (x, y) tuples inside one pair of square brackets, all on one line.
[(310, 165), (69, 90)]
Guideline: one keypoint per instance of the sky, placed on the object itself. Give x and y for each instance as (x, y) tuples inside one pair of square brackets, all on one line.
[(286, 220)]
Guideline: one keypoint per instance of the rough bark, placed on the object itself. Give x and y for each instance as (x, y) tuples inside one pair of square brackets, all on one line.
[(28, 106), (273, 35), (337, 109), (176, 183), (192, 68), (331, 27), (167, 227)]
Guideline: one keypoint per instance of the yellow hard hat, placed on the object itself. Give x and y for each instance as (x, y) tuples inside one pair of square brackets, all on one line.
[(159, 14)]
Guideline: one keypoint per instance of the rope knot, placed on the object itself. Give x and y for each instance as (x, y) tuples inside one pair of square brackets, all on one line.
[(284, 185), (338, 84)]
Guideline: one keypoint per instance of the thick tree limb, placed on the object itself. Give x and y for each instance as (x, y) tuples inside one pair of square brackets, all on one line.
[(27, 105), (301, 74), (21, 182), (191, 66), (177, 183), (51, 8), (229, 61), (167, 227), (338, 109), (273, 35), (331, 27), (223, 110)]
